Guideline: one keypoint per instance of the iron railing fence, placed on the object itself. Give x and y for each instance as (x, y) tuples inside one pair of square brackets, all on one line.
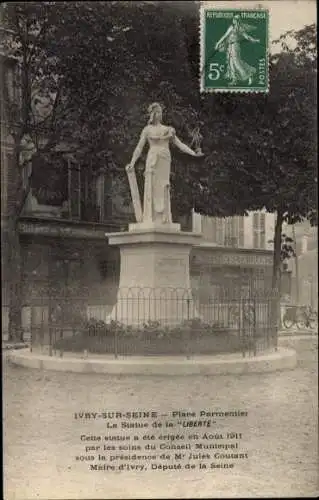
[(155, 322)]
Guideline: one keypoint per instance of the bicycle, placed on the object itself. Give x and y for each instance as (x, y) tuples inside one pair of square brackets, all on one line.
[(301, 316)]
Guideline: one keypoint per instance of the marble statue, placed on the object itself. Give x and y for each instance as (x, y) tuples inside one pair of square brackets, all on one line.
[(157, 203)]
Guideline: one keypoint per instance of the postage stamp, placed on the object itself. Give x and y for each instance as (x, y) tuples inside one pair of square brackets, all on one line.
[(234, 50)]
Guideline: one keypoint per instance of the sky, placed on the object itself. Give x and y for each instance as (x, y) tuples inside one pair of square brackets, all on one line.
[(284, 14)]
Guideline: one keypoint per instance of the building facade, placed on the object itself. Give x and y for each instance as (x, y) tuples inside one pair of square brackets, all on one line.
[(253, 231), (236, 253), (304, 266)]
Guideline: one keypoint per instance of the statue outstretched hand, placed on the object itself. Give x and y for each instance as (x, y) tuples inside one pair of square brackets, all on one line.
[(199, 154)]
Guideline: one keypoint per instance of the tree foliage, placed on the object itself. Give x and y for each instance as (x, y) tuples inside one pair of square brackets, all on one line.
[(116, 58)]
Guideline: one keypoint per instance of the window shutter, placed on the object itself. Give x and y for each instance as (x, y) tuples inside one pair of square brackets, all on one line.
[(220, 223), (241, 232), (209, 229), (214, 229), (255, 230), (262, 228), (228, 231)]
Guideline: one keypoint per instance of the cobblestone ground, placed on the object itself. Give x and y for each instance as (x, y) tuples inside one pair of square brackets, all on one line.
[(280, 433)]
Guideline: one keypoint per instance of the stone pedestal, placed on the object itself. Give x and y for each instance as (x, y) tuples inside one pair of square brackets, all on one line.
[(173, 227), (154, 277)]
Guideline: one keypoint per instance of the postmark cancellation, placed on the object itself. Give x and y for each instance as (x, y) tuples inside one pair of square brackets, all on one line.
[(234, 50)]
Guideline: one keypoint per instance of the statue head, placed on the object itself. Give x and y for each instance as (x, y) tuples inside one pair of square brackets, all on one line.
[(156, 113)]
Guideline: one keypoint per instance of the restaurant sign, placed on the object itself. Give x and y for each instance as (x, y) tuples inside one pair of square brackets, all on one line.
[(250, 259)]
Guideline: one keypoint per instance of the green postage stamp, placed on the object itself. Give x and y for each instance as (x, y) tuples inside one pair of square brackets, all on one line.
[(234, 50)]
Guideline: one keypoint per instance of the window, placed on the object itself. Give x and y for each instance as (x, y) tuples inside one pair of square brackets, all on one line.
[(35, 262), (241, 232), (227, 231), (220, 231), (103, 196), (259, 230), (49, 180), (234, 231), (66, 276)]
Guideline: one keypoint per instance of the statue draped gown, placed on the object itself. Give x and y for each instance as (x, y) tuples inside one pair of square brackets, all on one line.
[(157, 207)]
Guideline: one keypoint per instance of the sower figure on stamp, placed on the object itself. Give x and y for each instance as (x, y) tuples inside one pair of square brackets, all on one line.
[(237, 68), (157, 203)]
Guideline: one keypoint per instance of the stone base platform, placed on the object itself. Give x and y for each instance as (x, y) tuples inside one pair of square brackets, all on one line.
[(282, 359), (138, 227), (154, 276)]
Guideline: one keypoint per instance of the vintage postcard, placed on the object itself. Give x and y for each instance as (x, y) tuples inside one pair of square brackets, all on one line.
[(159, 249)]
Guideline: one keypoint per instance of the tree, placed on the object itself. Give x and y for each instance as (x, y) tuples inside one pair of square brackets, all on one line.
[(287, 251), (287, 170), (34, 120)]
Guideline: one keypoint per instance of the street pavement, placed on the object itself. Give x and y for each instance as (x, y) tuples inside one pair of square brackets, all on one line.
[(42, 436)]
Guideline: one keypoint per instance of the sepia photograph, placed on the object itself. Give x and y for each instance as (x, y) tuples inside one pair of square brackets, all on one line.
[(159, 249)]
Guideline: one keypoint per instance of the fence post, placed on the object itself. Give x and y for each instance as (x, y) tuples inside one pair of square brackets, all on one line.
[(61, 339), (116, 332), (31, 328), (254, 326), (242, 323), (188, 328), (275, 301), (50, 339)]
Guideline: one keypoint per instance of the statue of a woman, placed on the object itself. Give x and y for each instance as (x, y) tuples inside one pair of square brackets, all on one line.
[(157, 206)]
